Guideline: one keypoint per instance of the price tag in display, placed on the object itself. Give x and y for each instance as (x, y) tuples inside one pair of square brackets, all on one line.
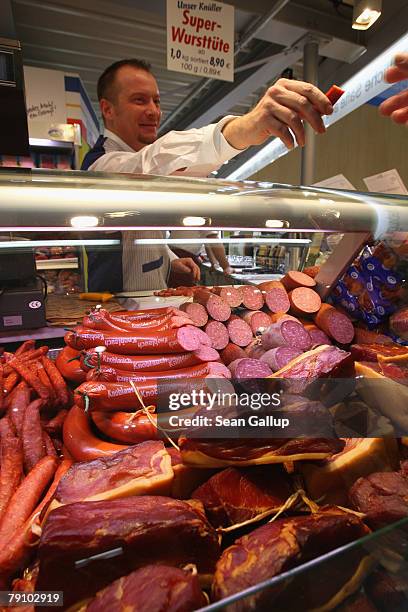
[(200, 38)]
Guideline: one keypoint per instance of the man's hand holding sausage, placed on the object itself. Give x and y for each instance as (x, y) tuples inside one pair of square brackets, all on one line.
[(396, 107), (284, 107)]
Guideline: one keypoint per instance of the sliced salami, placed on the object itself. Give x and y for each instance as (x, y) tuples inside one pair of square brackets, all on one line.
[(231, 353), (304, 301), (203, 338), (206, 353), (287, 333), (252, 297), (249, 368), (231, 295), (218, 334), (335, 324), (294, 279), (196, 312), (318, 337), (277, 300), (280, 356), (216, 307), (257, 320), (239, 331)]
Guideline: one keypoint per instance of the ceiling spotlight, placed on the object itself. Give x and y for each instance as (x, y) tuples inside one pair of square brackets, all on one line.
[(84, 221), (365, 13)]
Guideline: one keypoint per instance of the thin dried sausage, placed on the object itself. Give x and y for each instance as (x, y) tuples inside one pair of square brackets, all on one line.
[(33, 445)]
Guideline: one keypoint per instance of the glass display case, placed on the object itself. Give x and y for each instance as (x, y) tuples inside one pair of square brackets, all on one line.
[(120, 232)]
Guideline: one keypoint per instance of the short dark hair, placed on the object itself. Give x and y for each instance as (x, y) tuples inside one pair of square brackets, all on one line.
[(107, 78)]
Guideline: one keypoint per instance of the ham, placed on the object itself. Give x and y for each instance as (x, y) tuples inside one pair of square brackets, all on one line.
[(245, 452), (139, 470), (235, 495), (84, 546)]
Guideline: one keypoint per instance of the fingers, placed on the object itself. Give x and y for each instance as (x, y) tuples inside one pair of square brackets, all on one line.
[(395, 74), (191, 267), (289, 118), (312, 94), (400, 116), (395, 103)]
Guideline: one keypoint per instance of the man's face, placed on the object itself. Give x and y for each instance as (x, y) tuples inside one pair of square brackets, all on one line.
[(134, 111)]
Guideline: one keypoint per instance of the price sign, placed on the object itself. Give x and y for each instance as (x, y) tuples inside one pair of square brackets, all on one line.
[(200, 38)]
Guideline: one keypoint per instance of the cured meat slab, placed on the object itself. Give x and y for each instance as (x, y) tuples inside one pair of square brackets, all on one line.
[(133, 532)]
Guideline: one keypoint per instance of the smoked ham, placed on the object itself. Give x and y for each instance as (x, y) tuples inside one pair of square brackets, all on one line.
[(153, 588), (139, 470), (287, 543), (84, 546), (245, 452), (329, 480), (236, 495)]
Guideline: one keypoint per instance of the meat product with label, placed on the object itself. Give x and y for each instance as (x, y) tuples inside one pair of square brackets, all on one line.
[(212, 368)]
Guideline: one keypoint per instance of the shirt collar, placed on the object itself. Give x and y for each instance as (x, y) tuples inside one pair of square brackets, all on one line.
[(119, 141)]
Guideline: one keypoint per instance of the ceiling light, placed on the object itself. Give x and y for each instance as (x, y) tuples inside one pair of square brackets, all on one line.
[(274, 223), (365, 13), (194, 221), (84, 221)]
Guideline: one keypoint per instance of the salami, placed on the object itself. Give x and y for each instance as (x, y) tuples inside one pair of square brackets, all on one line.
[(286, 333), (196, 312), (218, 334), (294, 279), (279, 357), (317, 335), (275, 295), (187, 338), (239, 331), (249, 368), (252, 297), (335, 324), (216, 307), (304, 301), (257, 320), (231, 295), (231, 353), (147, 363)]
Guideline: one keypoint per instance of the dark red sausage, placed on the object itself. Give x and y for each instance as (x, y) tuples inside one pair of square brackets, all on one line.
[(188, 338), (218, 334), (31, 379), (216, 307), (249, 368), (57, 381), (11, 468), (143, 315), (17, 403), (287, 332), (103, 321), (33, 445), (69, 367), (279, 357), (112, 396)]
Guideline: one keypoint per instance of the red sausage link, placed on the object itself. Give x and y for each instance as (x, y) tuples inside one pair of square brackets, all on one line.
[(33, 445), (11, 468), (54, 425), (28, 345), (80, 442), (57, 381), (112, 396), (31, 379), (153, 363), (127, 427), (17, 403), (26, 498), (187, 338), (69, 367), (106, 373)]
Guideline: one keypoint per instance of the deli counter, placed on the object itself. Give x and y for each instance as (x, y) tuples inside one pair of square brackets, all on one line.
[(111, 495)]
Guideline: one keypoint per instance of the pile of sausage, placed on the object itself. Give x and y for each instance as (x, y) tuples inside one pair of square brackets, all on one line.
[(34, 399)]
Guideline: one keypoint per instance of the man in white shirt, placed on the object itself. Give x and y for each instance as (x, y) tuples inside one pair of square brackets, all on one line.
[(130, 104)]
